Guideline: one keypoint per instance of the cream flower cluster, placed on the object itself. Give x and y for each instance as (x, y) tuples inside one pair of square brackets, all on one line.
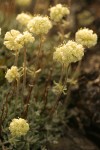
[(28, 38), (39, 25), (23, 2), (14, 40), (10, 40), (86, 37), (68, 53), (58, 12), (12, 74), (25, 38), (23, 18), (18, 127)]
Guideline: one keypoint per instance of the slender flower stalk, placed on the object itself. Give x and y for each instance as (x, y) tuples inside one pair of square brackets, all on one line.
[(18, 84), (74, 77), (16, 58), (61, 82), (76, 73), (24, 71), (62, 74), (40, 53), (17, 94), (61, 30), (66, 75)]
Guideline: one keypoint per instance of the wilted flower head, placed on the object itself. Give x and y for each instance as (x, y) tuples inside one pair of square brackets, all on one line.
[(86, 37), (58, 12), (39, 25), (59, 88), (23, 18), (10, 40), (12, 74), (23, 2), (18, 127), (68, 53)]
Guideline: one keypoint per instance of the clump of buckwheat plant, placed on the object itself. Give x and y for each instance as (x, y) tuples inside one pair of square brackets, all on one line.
[(34, 108)]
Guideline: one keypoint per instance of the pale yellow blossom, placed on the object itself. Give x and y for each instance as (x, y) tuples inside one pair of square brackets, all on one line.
[(58, 12), (86, 37), (39, 25), (10, 40), (25, 38), (23, 18), (68, 53), (18, 127), (12, 74)]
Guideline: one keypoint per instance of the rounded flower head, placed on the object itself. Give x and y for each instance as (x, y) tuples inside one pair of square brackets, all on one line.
[(25, 38), (68, 53), (18, 127), (59, 54), (23, 2), (28, 38), (39, 25), (23, 18), (10, 40), (86, 37), (58, 12), (12, 74), (76, 51)]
